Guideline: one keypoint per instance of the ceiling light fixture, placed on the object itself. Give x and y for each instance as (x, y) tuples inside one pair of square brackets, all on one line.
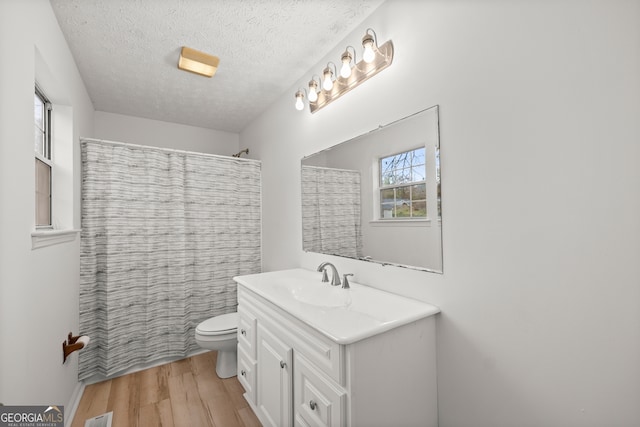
[(374, 59), (198, 62)]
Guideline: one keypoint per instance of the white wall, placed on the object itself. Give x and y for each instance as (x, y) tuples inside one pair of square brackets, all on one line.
[(539, 107), (38, 288), (137, 130)]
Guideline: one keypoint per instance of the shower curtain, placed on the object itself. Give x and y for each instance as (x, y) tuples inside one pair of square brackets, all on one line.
[(331, 217), (163, 234)]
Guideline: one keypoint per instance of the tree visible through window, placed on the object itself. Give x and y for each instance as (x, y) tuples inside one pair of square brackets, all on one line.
[(42, 115), (403, 190)]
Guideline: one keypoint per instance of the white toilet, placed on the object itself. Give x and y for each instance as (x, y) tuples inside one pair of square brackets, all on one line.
[(220, 333)]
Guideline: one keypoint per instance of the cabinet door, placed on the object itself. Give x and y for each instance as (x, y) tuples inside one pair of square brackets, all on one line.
[(275, 360), (319, 401)]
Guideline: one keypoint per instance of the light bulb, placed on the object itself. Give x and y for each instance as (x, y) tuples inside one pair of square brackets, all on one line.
[(299, 103), (313, 95), (367, 43), (345, 70), (327, 83), (368, 55)]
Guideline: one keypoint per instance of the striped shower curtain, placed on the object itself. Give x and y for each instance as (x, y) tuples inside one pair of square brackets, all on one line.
[(163, 234), (331, 213)]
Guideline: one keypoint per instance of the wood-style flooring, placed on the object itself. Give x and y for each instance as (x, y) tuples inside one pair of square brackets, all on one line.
[(183, 393)]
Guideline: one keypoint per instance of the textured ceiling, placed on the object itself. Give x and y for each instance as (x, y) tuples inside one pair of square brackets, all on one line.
[(127, 53)]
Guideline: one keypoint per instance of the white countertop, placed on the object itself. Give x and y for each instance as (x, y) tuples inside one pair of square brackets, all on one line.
[(343, 315)]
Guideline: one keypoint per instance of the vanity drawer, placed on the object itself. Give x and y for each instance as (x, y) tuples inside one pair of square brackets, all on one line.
[(325, 354), (318, 401), (247, 326), (247, 375)]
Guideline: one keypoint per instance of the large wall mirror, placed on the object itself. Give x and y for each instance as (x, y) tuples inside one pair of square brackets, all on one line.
[(377, 197)]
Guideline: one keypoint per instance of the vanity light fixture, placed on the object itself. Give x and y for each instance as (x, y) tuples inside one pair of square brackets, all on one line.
[(352, 73), (198, 62)]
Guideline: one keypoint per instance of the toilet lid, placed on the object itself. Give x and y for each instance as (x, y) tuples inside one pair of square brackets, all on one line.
[(219, 325)]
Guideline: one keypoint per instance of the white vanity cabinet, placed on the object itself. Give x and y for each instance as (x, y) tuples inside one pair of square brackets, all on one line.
[(294, 375)]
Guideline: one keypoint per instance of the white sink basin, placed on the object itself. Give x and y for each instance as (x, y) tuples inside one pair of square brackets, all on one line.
[(344, 315), (321, 296)]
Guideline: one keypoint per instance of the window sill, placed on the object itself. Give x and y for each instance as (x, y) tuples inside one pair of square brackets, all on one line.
[(400, 222), (44, 238)]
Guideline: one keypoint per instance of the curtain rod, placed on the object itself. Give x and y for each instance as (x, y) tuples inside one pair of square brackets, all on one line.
[(170, 150)]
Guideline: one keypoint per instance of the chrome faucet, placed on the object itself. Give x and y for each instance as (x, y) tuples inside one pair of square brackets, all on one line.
[(335, 277), (345, 281)]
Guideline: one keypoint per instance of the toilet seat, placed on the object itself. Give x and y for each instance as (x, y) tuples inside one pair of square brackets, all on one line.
[(219, 325)]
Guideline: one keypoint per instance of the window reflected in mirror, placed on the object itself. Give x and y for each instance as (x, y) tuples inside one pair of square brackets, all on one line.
[(403, 191)]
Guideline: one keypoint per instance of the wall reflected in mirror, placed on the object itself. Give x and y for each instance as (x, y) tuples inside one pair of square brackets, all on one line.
[(377, 197)]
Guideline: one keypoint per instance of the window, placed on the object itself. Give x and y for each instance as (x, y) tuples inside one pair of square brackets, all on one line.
[(403, 190), (42, 116)]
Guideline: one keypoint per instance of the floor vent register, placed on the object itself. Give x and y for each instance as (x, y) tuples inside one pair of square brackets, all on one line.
[(103, 420)]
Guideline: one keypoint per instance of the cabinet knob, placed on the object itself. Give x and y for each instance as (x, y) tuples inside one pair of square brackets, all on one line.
[(312, 405), (243, 373), (243, 332), (283, 364)]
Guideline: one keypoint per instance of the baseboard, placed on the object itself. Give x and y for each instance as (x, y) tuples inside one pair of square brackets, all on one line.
[(72, 406)]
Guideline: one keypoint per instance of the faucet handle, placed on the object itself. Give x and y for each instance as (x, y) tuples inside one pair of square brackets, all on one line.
[(345, 281), (325, 277)]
